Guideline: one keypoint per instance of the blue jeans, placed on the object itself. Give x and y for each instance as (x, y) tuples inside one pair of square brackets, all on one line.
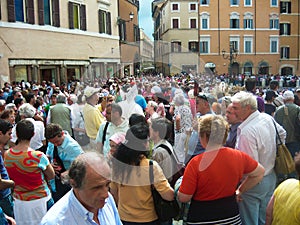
[(7, 205), (255, 201)]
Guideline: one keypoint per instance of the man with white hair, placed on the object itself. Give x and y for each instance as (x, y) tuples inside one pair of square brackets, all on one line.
[(288, 116), (256, 136), (61, 114), (38, 141)]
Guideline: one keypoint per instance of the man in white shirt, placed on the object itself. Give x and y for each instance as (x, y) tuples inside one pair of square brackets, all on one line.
[(256, 136)]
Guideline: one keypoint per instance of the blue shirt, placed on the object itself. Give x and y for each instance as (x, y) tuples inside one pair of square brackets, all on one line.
[(67, 152), (4, 175), (68, 210)]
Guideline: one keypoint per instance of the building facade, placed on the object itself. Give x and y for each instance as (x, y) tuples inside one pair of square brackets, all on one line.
[(59, 40), (146, 53), (231, 36), (129, 36)]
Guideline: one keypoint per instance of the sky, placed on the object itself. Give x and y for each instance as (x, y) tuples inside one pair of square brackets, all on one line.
[(145, 17)]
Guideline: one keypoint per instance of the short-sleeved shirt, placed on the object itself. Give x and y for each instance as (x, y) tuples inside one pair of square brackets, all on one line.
[(216, 174), (26, 170), (135, 200)]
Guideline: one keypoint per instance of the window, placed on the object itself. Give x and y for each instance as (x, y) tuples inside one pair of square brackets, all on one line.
[(136, 33), (175, 7), (248, 44), (285, 53), (193, 46), (234, 20), (176, 46), (247, 2), (274, 45), (274, 3), (122, 30), (234, 2), (104, 22), (274, 23), (193, 7), (193, 23), (285, 29), (235, 44), (204, 2), (204, 47), (77, 16), (248, 23), (175, 23), (234, 23), (285, 7), (22, 11), (204, 21)]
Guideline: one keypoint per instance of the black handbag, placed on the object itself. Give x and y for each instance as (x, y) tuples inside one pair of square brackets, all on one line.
[(165, 210)]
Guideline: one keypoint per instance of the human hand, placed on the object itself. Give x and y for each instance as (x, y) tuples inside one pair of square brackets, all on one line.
[(10, 220), (238, 195)]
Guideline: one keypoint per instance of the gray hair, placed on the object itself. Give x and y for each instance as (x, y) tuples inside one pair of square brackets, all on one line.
[(245, 98), (27, 110), (179, 99), (78, 169), (61, 98)]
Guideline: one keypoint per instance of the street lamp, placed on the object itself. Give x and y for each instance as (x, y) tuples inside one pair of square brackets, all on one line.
[(232, 56), (131, 15)]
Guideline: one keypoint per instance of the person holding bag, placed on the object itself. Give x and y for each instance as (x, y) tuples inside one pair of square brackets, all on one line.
[(130, 185)]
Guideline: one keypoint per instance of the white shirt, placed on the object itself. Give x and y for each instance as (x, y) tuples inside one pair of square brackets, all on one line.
[(39, 134), (256, 136)]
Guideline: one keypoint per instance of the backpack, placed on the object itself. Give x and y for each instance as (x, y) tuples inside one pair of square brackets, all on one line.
[(179, 166)]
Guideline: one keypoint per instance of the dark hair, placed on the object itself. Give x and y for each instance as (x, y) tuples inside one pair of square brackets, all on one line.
[(130, 152), (163, 126), (77, 172), (24, 130), (18, 101), (297, 163), (250, 84), (5, 126), (136, 118), (52, 130), (28, 97), (274, 84)]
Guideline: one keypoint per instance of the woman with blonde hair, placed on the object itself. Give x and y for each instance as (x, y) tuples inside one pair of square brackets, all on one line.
[(211, 178)]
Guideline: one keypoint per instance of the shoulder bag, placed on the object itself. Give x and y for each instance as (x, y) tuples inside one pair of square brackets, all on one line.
[(165, 210), (284, 163)]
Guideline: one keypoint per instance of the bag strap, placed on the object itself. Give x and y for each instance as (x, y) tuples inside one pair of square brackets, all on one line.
[(104, 132), (151, 175), (58, 159), (173, 155), (277, 134)]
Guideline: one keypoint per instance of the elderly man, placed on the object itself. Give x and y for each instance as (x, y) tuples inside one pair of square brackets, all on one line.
[(61, 114), (288, 116), (62, 151), (89, 202), (92, 116), (256, 136)]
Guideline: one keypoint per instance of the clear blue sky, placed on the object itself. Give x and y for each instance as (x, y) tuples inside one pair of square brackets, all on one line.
[(145, 17)]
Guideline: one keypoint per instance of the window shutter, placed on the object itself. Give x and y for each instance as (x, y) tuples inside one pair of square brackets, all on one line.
[(100, 20), (125, 35), (41, 12), (288, 52), (11, 11), (30, 12), (71, 23), (108, 22), (82, 17), (55, 13), (138, 34)]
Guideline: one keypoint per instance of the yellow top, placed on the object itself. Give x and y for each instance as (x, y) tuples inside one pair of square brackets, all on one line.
[(286, 209), (92, 120), (135, 202)]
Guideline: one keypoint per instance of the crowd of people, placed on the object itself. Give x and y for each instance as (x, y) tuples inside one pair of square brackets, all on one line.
[(80, 153)]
